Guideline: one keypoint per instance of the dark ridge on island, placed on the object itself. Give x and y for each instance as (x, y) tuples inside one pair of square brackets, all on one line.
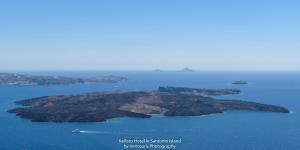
[(195, 91), (23, 79), (100, 106)]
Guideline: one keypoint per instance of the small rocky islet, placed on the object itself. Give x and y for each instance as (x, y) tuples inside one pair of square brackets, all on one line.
[(239, 82), (168, 101)]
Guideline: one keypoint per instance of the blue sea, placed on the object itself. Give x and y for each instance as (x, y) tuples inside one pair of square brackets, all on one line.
[(236, 130)]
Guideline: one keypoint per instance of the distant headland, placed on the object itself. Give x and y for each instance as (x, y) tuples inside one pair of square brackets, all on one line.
[(23, 79), (168, 101)]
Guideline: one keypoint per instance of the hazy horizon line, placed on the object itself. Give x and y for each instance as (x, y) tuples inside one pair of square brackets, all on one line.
[(157, 70)]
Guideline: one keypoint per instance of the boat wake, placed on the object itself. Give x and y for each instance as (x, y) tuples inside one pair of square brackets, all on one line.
[(92, 132)]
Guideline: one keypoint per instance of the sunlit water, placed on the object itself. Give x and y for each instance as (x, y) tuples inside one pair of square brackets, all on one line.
[(228, 131)]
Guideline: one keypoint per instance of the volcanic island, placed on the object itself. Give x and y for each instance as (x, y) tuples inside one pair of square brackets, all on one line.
[(168, 101)]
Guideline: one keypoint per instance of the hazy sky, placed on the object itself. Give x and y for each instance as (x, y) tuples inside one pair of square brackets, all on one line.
[(150, 34)]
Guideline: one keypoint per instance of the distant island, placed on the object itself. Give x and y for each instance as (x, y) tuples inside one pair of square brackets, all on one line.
[(158, 70), (100, 106), (239, 82), (186, 69), (22, 79)]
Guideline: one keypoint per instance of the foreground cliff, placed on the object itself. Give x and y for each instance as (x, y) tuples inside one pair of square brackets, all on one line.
[(100, 106)]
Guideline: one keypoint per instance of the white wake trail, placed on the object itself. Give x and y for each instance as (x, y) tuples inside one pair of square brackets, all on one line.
[(92, 132)]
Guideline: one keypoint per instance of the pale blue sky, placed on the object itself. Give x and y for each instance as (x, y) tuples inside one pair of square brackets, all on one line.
[(149, 34)]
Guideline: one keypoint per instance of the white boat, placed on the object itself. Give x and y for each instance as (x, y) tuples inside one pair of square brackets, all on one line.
[(76, 131)]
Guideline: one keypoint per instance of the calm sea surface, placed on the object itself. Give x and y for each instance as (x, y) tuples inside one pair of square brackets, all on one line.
[(228, 131)]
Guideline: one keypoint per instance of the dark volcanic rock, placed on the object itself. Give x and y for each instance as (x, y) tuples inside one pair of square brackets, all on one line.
[(100, 106), (194, 91)]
